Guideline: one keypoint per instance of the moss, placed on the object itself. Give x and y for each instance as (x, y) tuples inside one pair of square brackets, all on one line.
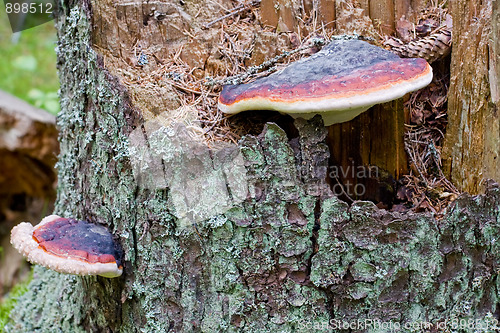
[(11, 299), (284, 257)]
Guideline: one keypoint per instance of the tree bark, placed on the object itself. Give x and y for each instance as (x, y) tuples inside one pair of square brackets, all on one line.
[(472, 147), (244, 237)]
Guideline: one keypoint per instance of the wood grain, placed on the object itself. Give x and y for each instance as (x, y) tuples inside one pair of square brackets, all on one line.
[(472, 145)]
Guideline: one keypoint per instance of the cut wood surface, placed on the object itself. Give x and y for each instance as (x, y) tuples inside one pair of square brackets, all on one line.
[(242, 236)]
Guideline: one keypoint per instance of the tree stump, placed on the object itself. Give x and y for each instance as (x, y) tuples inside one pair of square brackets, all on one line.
[(472, 147), (243, 237)]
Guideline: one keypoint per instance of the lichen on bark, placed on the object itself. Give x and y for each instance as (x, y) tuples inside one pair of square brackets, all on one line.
[(288, 256)]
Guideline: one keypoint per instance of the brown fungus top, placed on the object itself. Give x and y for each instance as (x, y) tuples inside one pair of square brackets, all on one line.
[(77, 239), (69, 246), (342, 80)]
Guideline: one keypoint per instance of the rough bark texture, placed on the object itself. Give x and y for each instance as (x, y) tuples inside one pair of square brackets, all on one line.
[(284, 254), (472, 146)]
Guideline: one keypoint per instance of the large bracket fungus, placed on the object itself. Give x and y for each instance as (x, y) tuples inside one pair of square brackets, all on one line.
[(69, 246), (341, 81)]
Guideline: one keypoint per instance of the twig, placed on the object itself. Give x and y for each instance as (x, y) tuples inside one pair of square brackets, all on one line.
[(235, 11), (268, 64), (191, 90), (254, 70)]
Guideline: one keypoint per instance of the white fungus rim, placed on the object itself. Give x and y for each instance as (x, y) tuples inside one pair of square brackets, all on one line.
[(22, 240), (334, 109)]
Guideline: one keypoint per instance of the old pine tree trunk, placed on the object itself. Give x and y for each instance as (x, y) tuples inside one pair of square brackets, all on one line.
[(272, 249), (472, 147)]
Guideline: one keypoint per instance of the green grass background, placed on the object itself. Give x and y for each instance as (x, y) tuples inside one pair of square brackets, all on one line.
[(10, 301), (28, 68)]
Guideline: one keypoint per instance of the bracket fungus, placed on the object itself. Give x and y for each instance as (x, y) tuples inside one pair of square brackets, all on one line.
[(341, 81), (69, 246)]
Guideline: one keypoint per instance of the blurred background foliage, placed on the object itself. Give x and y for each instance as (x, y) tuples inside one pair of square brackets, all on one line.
[(28, 64), (10, 301), (28, 71)]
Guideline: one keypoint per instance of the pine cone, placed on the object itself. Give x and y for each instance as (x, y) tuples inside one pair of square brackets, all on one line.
[(431, 48)]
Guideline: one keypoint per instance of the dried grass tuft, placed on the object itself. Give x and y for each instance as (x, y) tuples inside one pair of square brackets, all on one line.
[(241, 56)]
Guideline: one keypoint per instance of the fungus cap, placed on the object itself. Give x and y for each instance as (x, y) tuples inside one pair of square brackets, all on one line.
[(69, 246), (341, 81)]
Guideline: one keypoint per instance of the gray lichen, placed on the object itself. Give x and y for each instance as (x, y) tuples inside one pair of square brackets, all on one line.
[(287, 257)]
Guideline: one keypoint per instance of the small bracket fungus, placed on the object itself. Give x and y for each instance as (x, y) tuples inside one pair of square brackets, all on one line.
[(69, 246), (341, 81)]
